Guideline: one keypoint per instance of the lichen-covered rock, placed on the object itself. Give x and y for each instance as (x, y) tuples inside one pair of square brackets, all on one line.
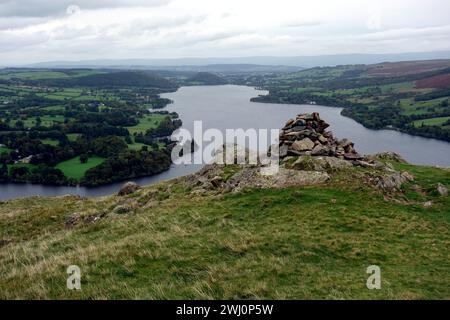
[(391, 180), (303, 145)]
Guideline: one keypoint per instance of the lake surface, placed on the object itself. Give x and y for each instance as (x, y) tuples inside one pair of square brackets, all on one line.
[(229, 107)]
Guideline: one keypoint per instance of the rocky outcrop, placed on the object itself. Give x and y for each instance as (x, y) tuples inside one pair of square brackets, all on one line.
[(215, 178), (442, 190), (387, 156), (306, 135), (326, 164), (309, 155), (390, 180), (128, 188)]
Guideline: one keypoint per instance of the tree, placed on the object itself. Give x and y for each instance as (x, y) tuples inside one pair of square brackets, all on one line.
[(4, 173), (20, 124), (84, 158)]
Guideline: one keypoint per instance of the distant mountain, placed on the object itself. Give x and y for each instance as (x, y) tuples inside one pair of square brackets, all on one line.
[(218, 63), (207, 78), (236, 68)]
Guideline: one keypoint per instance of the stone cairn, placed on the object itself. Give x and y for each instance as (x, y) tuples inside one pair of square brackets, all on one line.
[(306, 135)]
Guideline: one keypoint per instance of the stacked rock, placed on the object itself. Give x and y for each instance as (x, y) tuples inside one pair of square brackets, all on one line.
[(306, 135)]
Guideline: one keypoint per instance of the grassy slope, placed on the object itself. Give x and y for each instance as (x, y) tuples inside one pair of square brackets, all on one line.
[(73, 168), (311, 242)]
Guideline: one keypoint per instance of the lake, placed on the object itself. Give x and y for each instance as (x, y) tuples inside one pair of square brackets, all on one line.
[(229, 107)]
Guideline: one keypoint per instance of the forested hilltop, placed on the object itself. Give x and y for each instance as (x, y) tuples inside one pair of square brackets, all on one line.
[(82, 126), (409, 96)]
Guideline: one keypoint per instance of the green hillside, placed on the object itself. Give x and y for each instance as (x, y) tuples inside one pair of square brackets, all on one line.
[(115, 79), (174, 241), (207, 78)]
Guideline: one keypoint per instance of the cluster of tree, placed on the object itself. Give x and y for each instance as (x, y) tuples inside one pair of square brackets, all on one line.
[(436, 132), (164, 129), (40, 174), (389, 116), (116, 118), (433, 95), (281, 96), (159, 103), (95, 129), (126, 165), (32, 100), (376, 118)]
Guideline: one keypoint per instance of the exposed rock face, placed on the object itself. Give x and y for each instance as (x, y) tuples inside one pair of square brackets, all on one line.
[(306, 135), (216, 178), (323, 164), (128, 188)]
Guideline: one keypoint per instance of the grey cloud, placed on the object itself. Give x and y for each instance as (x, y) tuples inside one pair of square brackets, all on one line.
[(407, 33), (47, 8), (140, 26), (12, 42), (15, 23)]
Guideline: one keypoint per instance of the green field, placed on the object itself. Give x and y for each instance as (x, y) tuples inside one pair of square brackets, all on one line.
[(431, 122), (137, 146), (34, 75), (54, 108), (146, 123), (5, 150), (64, 94), (42, 75), (78, 94), (73, 136), (51, 142), (46, 121), (73, 168)]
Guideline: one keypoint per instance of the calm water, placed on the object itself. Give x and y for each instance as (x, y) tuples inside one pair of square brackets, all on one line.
[(229, 106)]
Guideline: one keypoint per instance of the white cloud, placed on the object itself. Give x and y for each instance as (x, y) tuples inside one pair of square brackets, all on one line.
[(40, 30)]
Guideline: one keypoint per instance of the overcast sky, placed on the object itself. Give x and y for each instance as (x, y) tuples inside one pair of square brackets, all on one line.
[(45, 30)]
